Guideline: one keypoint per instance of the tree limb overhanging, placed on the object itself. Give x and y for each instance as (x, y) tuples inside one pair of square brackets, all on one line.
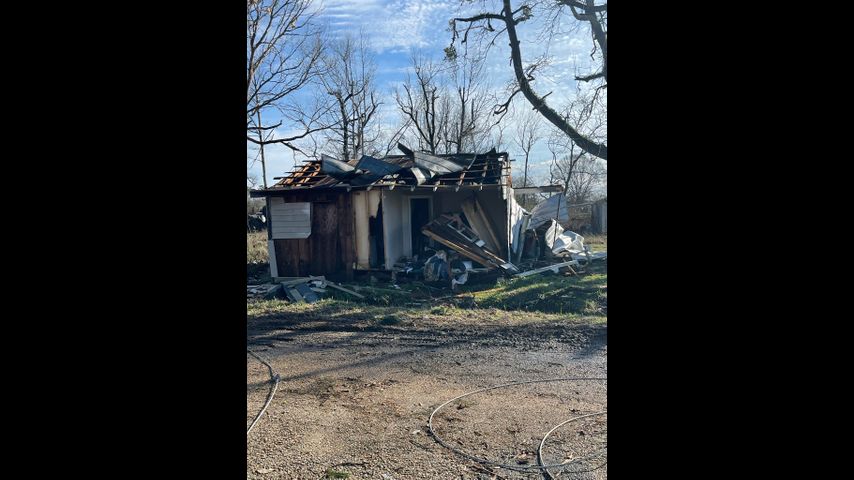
[(589, 14)]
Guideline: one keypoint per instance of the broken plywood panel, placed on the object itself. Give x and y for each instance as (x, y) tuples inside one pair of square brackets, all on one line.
[(480, 223)]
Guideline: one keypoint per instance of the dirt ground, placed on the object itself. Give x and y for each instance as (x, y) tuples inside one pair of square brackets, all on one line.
[(356, 393)]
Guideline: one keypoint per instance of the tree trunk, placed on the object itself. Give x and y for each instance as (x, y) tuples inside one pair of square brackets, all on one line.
[(593, 148)]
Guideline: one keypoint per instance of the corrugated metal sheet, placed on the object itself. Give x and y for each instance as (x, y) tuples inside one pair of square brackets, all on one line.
[(470, 170), (553, 208), (374, 169), (289, 220), (437, 165), (336, 168)]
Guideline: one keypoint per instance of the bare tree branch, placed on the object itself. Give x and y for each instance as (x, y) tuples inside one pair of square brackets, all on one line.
[(524, 79), (587, 78), (283, 51)]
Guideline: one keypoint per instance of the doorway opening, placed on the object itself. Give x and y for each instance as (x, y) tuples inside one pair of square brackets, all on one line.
[(419, 215)]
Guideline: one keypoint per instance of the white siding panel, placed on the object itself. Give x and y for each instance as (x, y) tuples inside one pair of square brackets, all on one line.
[(290, 220), (271, 250)]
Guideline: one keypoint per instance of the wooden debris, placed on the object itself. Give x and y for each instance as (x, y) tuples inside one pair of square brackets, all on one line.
[(346, 290), (290, 281), (293, 294), (447, 230), (480, 223), (306, 293), (262, 291)]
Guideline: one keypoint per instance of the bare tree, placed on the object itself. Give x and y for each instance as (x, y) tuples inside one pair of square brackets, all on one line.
[(571, 166), (469, 127), (350, 82), (499, 137), (581, 11), (445, 105), (528, 133), (582, 176), (283, 50), (419, 101)]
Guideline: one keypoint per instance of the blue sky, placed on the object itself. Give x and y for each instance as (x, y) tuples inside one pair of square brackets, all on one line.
[(398, 29)]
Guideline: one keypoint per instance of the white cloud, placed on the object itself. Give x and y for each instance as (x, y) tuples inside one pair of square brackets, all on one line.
[(397, 28), (393, 25)]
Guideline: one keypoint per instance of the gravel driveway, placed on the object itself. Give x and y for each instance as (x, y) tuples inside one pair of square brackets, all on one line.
[(356, 393)]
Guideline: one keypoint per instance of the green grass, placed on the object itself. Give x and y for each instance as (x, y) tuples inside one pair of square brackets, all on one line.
[(582, 296), (538, 298), (597, 243), (330, 473), (362, 316)]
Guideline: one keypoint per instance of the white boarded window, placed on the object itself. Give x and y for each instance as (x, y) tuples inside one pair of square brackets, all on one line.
[(289, 220)]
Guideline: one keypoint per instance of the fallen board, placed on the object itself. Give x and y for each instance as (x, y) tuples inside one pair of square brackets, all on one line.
[(553, 268), (288, 281), (345, 290)]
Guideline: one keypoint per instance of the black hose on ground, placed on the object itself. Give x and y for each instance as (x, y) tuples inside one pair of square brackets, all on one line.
[(274, 377), (517, 468)]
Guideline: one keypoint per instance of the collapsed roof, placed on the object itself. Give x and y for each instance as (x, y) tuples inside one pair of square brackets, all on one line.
[(413, 169)]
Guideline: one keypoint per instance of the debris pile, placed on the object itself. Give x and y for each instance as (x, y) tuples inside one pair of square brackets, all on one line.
[(538, 236), (449, 230), (298, 289)]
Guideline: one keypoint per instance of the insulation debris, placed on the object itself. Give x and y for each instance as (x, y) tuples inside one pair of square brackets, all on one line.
[(562, 241)]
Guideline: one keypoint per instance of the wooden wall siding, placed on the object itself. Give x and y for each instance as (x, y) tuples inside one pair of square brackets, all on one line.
[(326, 254), (289, 220), (330, 249)]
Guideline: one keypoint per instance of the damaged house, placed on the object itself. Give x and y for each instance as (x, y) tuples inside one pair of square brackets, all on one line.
[(335, 218)]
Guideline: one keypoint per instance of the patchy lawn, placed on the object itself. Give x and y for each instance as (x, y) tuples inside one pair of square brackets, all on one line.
[(582, 295), (597, 243), (256, 247)]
